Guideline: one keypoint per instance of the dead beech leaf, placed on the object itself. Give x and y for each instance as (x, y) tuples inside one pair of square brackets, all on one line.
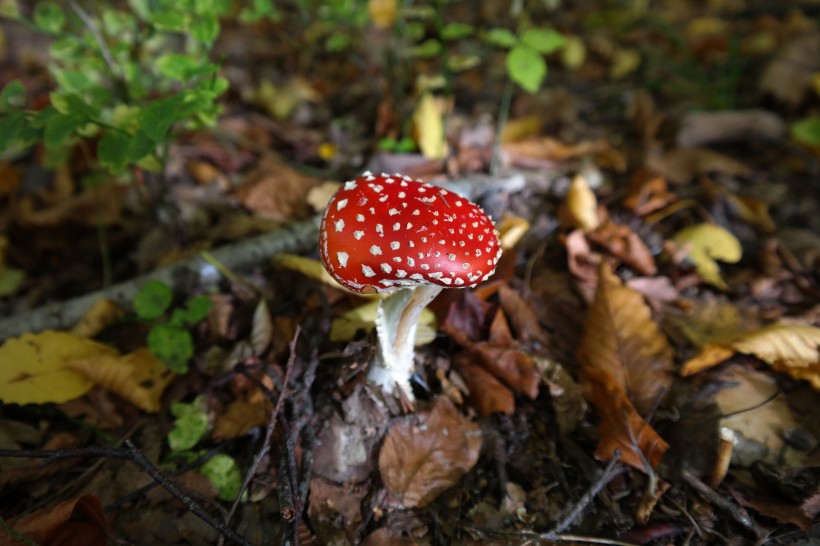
[(429, 122), (276, 191), (523, 318), (681, 165), (487, 394), (788, 76), (790, 348), (138, 377), (35, 367), (306, 266), (74, 521), (241, 416), (262, 329), (428, 453), (621, 339), (581, 205), (707, 243), (96, 319), (511, 229), (648, 193), (623, 243)]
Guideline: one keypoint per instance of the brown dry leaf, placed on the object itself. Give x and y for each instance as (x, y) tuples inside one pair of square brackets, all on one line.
[(543, 150), (97, 205), (621, 339), (74, 521), (788, 77), (319, 196), (9, 178), (137, 377), (523, 318), (276, 191), (704, 128), (790, 348), (565, 394), (500, 356), (648, 193), (681, 165), (582, 263), (241, 416), (428, 453), (520, 128), (96, 319), (621, 242), (487, 394), (581, 205), (334, 508)]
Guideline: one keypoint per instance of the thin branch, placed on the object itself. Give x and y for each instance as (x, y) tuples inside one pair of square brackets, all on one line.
[(92, 27), (136, 456), (736, 512)]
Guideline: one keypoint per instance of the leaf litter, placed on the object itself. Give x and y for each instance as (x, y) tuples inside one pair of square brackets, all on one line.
[(658, 289)]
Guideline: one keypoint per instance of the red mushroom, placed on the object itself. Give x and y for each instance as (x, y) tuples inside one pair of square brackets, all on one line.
[(383, 233)]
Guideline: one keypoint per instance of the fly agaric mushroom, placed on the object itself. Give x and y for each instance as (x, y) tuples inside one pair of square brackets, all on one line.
[(383, 233)]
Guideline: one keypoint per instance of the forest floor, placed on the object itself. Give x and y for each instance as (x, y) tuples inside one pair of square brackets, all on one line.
[(642, 368)]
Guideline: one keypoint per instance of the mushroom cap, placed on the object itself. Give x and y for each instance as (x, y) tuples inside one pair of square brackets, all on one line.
[(385, 232)]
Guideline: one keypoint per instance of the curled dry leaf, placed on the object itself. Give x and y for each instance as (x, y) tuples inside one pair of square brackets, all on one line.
[(74, 521), (621, 242), (581, 205), (707, 243), (96, 319), (276, 191), (626, 368), (648, 193), (790, 348), (262, 330), (137, 377), (428, 453), (487, 394)]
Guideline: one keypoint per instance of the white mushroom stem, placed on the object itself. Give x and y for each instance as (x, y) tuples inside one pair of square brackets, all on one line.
[(396, 322)]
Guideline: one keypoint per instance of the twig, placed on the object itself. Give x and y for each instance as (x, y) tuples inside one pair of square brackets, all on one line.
[(239, 255), (136, 456), (528, 537), (607, 476), (269, 430), (736, 512), (115, 69)]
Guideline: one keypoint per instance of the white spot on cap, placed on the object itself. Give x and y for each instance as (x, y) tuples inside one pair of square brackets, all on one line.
[(425, 266), (350, 185), (402, 195), (396, 226), (437, 275), (395, 245), (478, 252), (360, 217), (417, 276), (411, 262), (375, 250), (459, 281), (380, 229), (377, 188), (368, 272), (358, 235), (451, 257), (397, 259), (401, 273), (342, 257), (341, 204), (465, 265), (386, 268), (339, 224)]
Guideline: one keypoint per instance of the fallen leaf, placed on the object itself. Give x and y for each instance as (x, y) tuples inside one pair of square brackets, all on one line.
[(790, 348), (36, 370), (788, 76), (487, 394), (74, 521), (363, 318), (648, 193), (382, 13), (276, 191), (704, 128), (427, 453), (681, 165), (262, 328), (625, 61), (707, 243), (239, 417), (429, 122), (335, 508), (623, 243), (309, 267), (626, 369), (511, 229), (581, 205), (95, 320), (138, 377)]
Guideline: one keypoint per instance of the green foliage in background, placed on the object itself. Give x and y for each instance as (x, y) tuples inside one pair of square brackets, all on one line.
[(169, 340), (526, 65), (124, 78)]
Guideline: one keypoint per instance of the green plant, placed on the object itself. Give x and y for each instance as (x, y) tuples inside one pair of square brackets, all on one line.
[(525, 61), (168, 339), (807, 131), (123, 79)]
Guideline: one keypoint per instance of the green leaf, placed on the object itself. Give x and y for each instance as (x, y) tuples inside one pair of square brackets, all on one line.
[(60, 127), (426, 50), (140, 146), (195, 310), (807, 131), (152, 300), (205, 30), (173, 346), (156, 118), (182, 67), (174, 21), (501, 37), (258, 10), (526, 67), (456, 31), (190, 426), (73, 104), (223, 472), (76, 81), (10, 280), (49, 17), (543, 40), (13, 95), (10, 127), (113, 151)]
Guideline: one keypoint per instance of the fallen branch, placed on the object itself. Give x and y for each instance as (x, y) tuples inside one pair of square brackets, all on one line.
[(241, 255)]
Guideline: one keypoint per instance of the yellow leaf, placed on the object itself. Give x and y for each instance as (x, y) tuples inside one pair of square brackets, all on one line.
[(363, 317), (624, 63), (306, 266), (708, 243), (35, 371), (710, 355), (382, 13), (574, 53), (101, 314), (137, 377), (582, 205), (429, 123), (511, 229)]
